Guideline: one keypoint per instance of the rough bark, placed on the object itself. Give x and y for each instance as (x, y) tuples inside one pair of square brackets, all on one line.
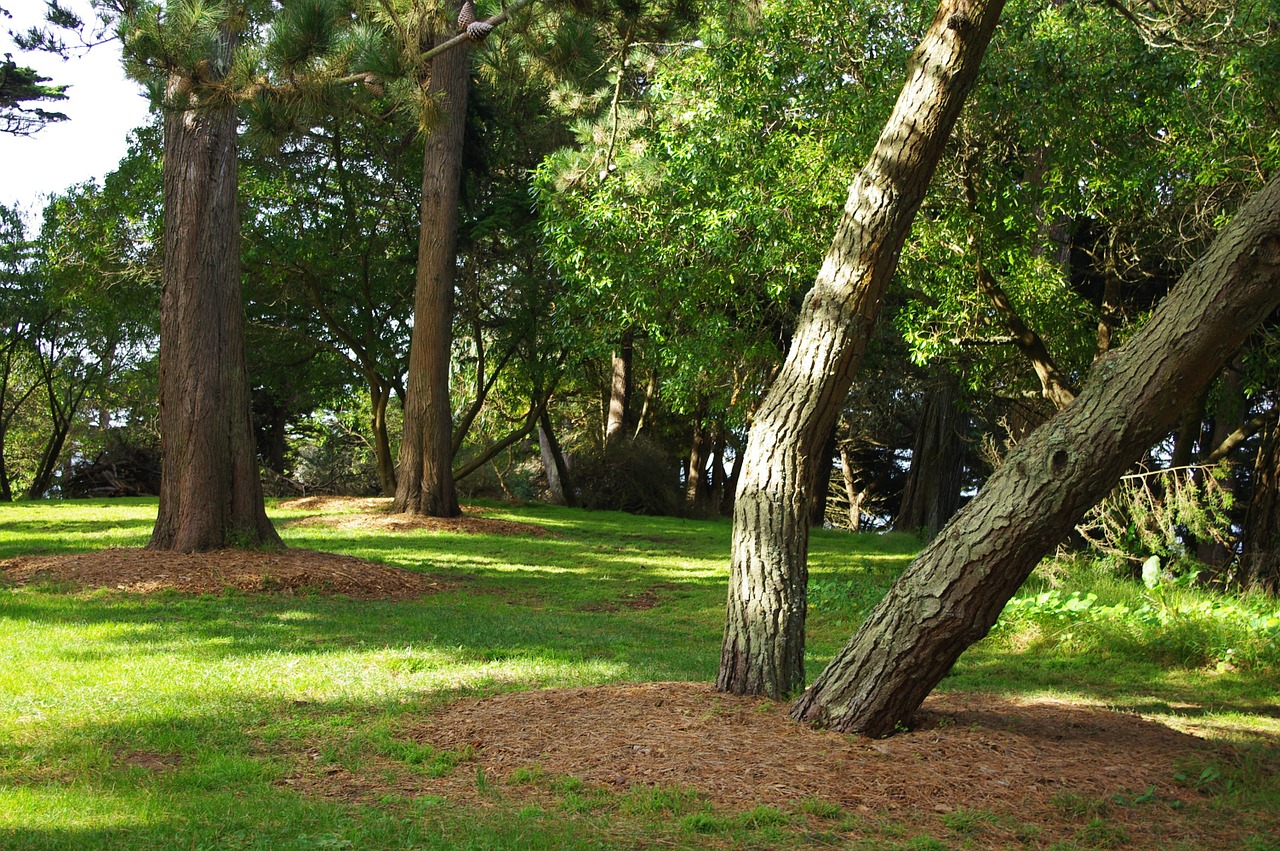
[(932, 491), (763, 647), (952, 593), (425, 484), (210, 491)]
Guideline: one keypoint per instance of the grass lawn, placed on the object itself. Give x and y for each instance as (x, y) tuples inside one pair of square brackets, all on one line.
[(175, 721)]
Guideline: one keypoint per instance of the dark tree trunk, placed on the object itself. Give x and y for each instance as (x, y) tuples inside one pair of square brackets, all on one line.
[(763, 647), (696, 490), (1260, 560), (952, 593), (380, 397), (210, 491), (822, 484), (932, 492), (425, 483), (620, 385)]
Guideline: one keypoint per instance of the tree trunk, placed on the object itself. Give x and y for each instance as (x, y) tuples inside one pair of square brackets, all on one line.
[(696, 490), (1260, 561), (822, 483), (425, 483), (380, 397), (553, 461), (855, 496), (210, 490), (952, 593), (932, 492), (763, 647), (620, 385)]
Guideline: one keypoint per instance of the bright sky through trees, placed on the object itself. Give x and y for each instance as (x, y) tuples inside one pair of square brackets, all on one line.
[(102, 107)]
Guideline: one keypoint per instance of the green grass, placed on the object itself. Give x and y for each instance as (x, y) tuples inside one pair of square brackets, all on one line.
[(172, 721)]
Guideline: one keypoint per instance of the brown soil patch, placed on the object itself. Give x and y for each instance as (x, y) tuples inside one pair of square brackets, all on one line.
[(284, 572), (373, 513), (1050, 764)]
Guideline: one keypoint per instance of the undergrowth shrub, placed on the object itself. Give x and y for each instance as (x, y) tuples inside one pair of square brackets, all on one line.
[(1158, 513), (635, 476), (1164, 618)]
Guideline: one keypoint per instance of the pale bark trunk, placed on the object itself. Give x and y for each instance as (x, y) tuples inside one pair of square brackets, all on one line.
[(559, 481), (620, 384), (210, 490), (952, 593), (763, 647), (425, 484), (855, 496)]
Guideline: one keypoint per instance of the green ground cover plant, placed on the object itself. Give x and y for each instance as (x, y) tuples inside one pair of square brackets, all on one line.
[(172, 721)]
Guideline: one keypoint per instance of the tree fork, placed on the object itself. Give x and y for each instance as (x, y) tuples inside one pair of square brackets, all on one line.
[(951, 595)]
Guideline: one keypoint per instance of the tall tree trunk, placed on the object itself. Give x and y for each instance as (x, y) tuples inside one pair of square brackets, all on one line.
[(932, 491), (952, 593), (425, 483), (763, 647), (620, 386), (210, 491)]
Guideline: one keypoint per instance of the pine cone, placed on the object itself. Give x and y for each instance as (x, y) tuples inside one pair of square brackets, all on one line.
[(466, 15), (479, 30)]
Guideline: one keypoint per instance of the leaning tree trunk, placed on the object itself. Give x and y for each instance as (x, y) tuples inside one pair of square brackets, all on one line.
[(425, 483), (951, 595), (763, 647), (210, 491)]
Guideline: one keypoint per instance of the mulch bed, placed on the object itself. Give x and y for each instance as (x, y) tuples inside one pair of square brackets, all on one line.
[(373, 514), (282, 572), (1050, 764)]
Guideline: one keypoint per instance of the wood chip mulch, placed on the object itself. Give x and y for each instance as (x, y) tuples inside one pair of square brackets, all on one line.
[(286, 572), (1025, 761), (373, 513)]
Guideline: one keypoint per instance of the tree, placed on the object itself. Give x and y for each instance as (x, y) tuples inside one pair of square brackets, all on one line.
[(20, 87), (210, 493), (425, 482), (763, 647), (952, 593)]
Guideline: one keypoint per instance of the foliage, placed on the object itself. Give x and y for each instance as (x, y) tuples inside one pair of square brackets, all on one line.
[(635, 476), (1160, 513)]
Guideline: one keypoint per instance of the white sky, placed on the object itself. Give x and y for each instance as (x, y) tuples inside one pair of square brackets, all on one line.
[(102, 107)]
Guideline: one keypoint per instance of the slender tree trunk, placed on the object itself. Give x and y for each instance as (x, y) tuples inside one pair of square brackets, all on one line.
[(763, 647), (558, 478), (620, 386), (380, 397), (952, 593), (695, 483), (1260, 561), (425, 483), (855, 496), (932, 491), (822, 484)]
